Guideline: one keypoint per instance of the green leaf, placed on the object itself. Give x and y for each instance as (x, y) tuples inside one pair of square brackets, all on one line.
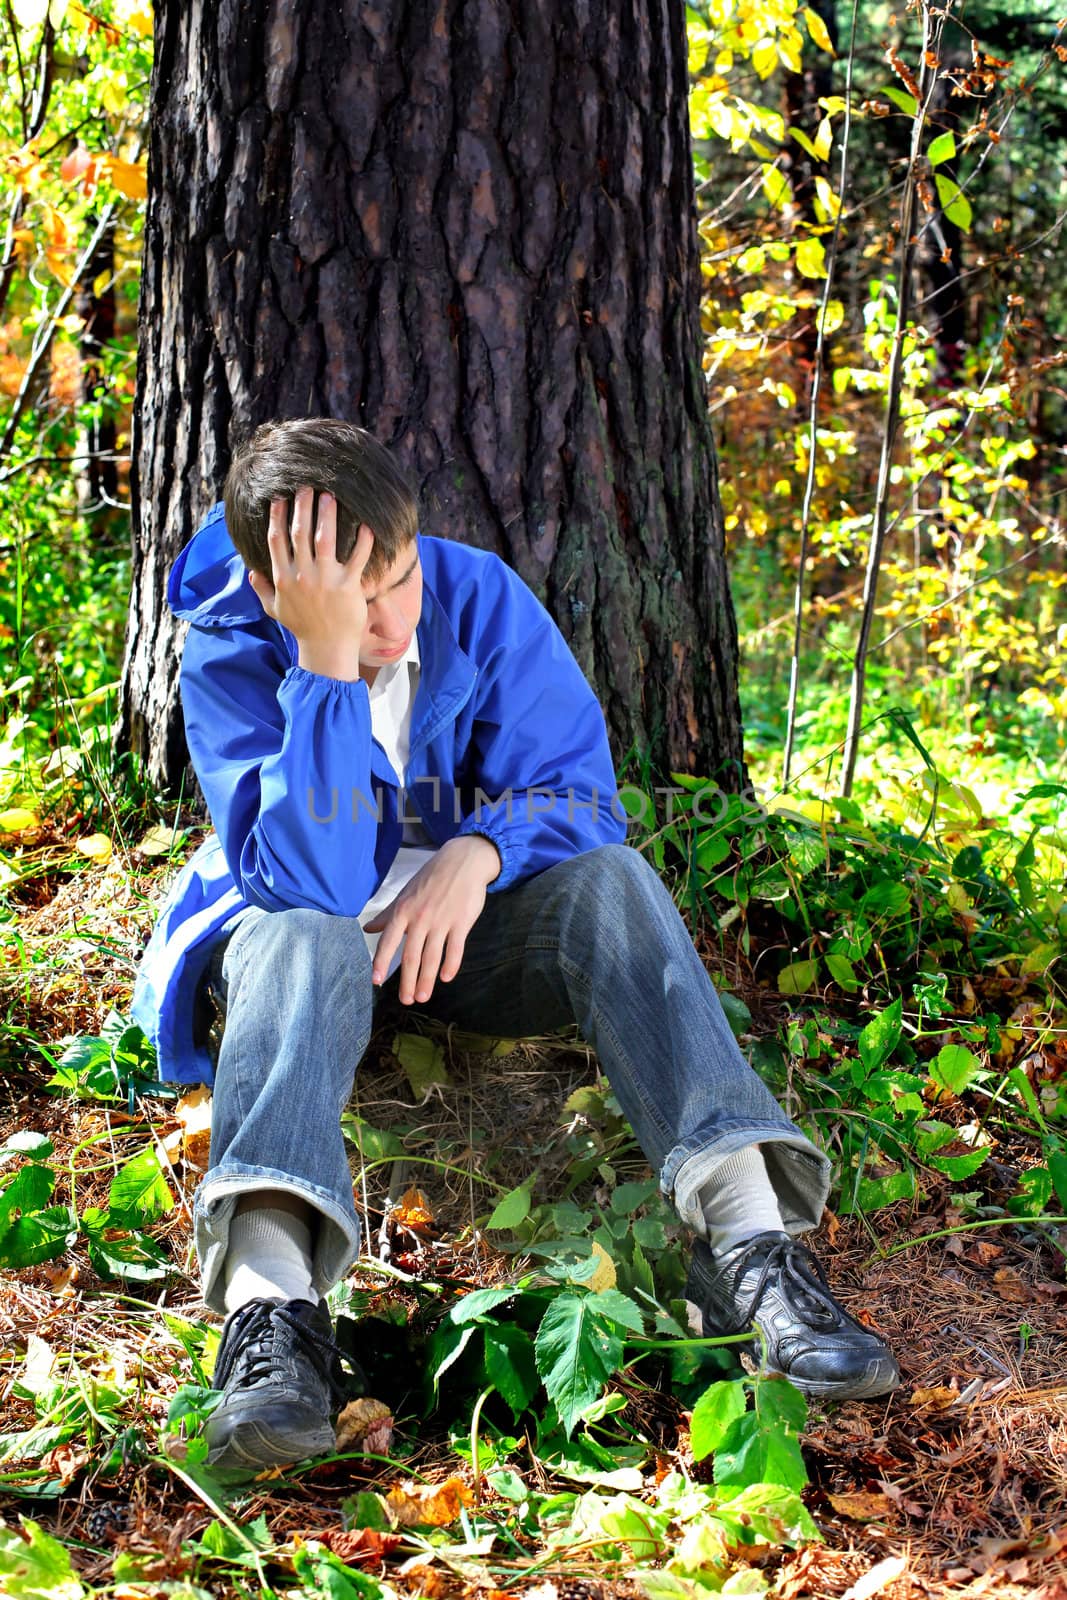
[(954, 203), (133, 1256), (446, 1346), (955, 1068), (881, 1036), (39, 1570), (514, 1207), (797, 978), (714, 1414), (762, 1445), (27, 1143), (29, 1190), (942, 149), (576, 1355), (41, 1236), (648, 1234), (842, 971), (373, 1144), (510, 1365), (423, 1060), (475, 1305), (961, 1166), (618, 1307), (767, 1513), (139, 1193), (737, 1013), (906, 102), (873, 1193), (628, 1196)]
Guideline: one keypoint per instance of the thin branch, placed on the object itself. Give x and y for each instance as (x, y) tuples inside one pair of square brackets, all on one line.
[(813, 414), (931, 39)]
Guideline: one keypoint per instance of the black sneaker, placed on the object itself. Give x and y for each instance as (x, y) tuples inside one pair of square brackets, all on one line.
[(280, 1375), (776, 1283)]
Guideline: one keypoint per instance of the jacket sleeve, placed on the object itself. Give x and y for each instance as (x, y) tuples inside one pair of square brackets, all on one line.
[(283, 758), (539, 758)]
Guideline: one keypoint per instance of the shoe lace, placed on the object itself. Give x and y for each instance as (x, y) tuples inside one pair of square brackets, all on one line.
[(802, 1280), (251, 1341)]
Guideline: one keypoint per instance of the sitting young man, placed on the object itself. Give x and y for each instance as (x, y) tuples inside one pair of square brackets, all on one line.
[(357, 695)]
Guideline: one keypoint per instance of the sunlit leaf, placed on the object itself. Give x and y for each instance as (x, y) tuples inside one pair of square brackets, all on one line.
[(943, 148), (97, 846), (820, 34), (798, 977), (37, 1567), (954, 203), (576, 1354)]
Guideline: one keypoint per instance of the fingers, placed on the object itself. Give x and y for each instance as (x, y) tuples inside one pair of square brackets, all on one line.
[(361, 550), (422, 958), (300, 529), (326, 530), (281, 555)]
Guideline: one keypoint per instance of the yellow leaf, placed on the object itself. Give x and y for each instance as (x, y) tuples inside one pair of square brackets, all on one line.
[(434, 1505), (140, 22), (129, 178), (97, 847), (113, 94), (811, 258), (824, 138), (765, 57), (193, 1112), (789, 48), (17, 819), (605, 1276), (826, 196), (819, 32), (777, 188), (101, 282)]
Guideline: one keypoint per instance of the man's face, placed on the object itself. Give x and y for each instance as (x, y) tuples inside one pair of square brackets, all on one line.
[(394, 605)]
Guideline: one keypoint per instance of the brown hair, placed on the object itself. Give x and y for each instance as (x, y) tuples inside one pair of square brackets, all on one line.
[(327, 455)]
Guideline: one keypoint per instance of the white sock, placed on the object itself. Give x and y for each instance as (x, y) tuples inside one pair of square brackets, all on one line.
[(739, 1201), (269, 1253)]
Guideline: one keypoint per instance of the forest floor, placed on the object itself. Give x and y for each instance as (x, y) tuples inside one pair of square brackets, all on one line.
[(954, 1485)]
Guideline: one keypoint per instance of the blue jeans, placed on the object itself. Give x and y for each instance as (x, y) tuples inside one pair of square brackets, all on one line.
[(595, 941)]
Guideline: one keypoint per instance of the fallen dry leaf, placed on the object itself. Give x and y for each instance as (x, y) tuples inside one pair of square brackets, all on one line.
[(62, 1280), (937, 1399), (360, 1547), (860, 1507), (193, 1111), (413, 1209), (879, 1578), (1011, 1287), (434, 1505), (65, 1461), (365, 1425)]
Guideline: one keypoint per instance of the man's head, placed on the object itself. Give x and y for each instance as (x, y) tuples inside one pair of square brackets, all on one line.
[(330, 456)]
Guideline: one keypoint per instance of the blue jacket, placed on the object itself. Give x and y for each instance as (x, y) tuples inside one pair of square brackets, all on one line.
[(305, 805)]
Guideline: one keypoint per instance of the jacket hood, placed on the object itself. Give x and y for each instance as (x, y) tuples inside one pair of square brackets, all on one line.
[(208, 583)]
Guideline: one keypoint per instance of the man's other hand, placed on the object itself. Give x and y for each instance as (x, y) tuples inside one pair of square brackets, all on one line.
[(438, 906)]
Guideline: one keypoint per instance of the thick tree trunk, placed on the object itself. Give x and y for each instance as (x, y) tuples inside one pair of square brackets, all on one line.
[(471, 229)]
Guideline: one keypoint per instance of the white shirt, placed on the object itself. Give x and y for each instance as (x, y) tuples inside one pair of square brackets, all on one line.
[(392, 695)]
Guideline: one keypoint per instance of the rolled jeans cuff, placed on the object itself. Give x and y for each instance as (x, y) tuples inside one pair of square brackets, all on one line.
[(335, 1231), (799, 1173)]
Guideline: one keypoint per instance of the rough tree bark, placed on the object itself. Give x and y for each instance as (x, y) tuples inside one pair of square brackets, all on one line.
[(469, 227)]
